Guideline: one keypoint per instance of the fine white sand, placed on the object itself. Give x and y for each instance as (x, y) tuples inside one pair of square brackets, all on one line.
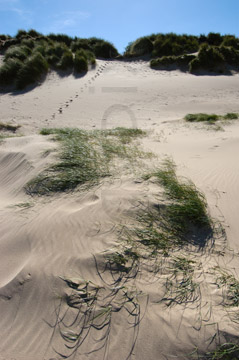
[(44, 239)]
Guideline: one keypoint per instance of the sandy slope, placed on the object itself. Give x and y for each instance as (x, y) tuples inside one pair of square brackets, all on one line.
[(42, 239)]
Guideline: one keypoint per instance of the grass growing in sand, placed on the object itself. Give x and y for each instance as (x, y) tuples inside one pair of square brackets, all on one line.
[(226, 351), (85, 158), (181, 219), (180, 286), (9, 127), (189, 205), (231, 286), (210, 118)]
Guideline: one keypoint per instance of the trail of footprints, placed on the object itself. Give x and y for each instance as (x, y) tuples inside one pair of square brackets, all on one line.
[(84, 86)]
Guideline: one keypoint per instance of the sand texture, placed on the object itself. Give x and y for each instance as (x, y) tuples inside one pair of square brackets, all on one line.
[(60, 297)]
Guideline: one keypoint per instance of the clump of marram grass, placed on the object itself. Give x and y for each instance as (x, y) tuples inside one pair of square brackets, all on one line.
[(80, 64), (180, 286), (9, 127), (85, 158), (231, 116), (231, 286), (9, 70), (32, 70), (210, 118), (189, 203), (177, 222), (202, 117), (226, 351), (181, 220)]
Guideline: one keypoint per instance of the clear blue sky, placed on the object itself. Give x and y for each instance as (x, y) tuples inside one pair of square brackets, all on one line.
[(119, 21)]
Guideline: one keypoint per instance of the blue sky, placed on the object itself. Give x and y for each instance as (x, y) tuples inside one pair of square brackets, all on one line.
[(119, 21)]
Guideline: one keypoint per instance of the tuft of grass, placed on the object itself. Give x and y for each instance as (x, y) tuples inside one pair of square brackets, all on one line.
[(189, 203), (210, 118), (180, 286), (231, 286), (231, 116), (202, 117), (85, 158), (226, 351), (180, 220), (9, 127)]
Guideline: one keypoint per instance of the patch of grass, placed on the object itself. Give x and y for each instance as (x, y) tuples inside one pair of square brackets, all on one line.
[(180, 219), (210, 118), (231, 116), (231, 286), (226, 351), (180, 286), (9, 127), (189, 205), (202, 117), (85, 158)]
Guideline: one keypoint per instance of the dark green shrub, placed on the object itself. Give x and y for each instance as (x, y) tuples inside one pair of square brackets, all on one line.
[(33, 68), (87, 54), (214, 39), (80, 44), (20, 34), (28, 42), (33, 33), (40, 49), (90, 57), (105, 50), (180, 61), (230, 54), (61, 38), (173, 44), (202, 117), (56, 49), (209, 58), (4, 37), (194, 65), (81, 53), (9, 70), (185, 59), (54, 53), (17, 52), (66, 61), (80, 64), (142, 46), (230, 40)]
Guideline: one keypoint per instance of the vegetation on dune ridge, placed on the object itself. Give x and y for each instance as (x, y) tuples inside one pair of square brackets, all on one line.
[(29, 55), (214, 52)]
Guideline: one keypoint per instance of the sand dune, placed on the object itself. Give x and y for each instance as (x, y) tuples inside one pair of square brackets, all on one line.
[(44, 240)]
